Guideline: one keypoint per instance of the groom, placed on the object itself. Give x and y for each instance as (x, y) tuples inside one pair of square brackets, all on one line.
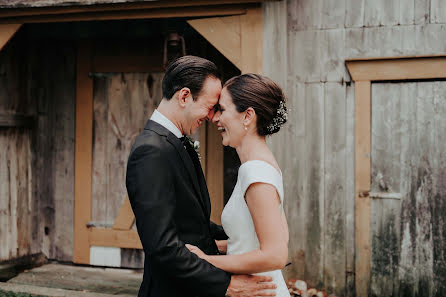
[(168, 192)]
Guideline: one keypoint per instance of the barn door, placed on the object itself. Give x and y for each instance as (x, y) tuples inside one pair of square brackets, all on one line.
[(408, 204), (115, 97), (399, 175), (122, 103)]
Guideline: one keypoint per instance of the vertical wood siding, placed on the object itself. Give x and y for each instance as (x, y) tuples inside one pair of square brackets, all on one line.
[(52, 85), (38, 79), (305, 45), (16, 204)]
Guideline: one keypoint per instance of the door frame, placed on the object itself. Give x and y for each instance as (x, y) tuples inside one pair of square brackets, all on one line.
[(247, 28), (363, 72)]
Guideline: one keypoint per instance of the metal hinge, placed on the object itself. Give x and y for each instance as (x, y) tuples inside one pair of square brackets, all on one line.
[(385, 195)]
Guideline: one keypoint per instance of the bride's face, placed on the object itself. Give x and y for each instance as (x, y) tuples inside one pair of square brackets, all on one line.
[(229, 121)]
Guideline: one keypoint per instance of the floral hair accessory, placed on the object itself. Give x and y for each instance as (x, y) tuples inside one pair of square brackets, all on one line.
[(280, 118)]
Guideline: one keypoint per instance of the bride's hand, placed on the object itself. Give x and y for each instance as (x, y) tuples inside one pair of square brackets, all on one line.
[(196, 251)]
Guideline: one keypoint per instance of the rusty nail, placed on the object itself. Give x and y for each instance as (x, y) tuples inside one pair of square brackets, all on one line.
[(364, 194)]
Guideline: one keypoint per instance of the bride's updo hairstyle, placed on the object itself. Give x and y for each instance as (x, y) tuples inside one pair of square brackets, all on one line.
[(264, 96)]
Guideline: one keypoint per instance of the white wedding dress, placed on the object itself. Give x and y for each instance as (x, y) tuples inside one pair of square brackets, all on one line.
[(236, 218)]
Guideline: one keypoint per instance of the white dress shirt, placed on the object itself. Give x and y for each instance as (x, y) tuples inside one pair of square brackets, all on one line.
[(166, 123)]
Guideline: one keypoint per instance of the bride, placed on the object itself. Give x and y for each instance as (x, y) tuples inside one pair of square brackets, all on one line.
[(252, 106)]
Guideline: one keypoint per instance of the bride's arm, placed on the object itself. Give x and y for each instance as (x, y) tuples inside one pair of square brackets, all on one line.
[(263, 203)]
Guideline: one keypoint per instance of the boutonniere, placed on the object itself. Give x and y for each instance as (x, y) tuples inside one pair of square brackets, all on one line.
[(197, 148), (196, 145)]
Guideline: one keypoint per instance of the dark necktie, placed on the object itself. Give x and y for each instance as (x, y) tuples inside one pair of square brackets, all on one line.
[(193, 154), (199, 173)]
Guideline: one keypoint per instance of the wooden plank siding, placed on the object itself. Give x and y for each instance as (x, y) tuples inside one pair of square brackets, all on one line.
[(53, 144), (28, 90), (16, 203), (305, 45)]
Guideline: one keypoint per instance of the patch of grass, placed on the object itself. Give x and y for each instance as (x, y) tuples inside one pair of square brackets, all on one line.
[(14, 294)]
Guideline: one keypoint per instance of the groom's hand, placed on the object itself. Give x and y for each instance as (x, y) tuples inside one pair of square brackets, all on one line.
[(251, 285)]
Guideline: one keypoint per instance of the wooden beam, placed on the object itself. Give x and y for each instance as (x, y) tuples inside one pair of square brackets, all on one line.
[(403, 68), (252, 41), (131, 14), (124, 63), (114, 238), (362, 186), (125, 218), (6, 33), (11, 120), (83, 155), (223, 33), (29, 11)]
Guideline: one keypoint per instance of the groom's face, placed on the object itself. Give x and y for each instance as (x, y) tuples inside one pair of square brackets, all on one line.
[(202, 109)]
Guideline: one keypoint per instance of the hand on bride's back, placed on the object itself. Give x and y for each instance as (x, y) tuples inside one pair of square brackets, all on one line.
[(194, 249)]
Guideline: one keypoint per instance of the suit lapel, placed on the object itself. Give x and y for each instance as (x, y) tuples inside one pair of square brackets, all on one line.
[(172, 139)]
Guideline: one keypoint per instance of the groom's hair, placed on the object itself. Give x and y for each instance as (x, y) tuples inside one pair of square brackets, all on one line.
[(188, 72)]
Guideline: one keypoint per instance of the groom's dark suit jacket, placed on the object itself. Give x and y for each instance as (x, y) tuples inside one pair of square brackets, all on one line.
[(171, 204)]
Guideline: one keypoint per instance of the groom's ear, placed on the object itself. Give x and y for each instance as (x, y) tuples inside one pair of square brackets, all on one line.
[(183, 96)]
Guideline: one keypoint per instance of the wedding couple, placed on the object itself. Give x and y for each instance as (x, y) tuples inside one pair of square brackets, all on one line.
[(170, 199)]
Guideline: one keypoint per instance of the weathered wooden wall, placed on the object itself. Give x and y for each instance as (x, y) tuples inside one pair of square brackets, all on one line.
[(37, 79), (53, 85), (17, 206), (305, 45)]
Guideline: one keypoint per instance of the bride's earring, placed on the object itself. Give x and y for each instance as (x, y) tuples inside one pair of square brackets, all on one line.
[(246, 128)]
